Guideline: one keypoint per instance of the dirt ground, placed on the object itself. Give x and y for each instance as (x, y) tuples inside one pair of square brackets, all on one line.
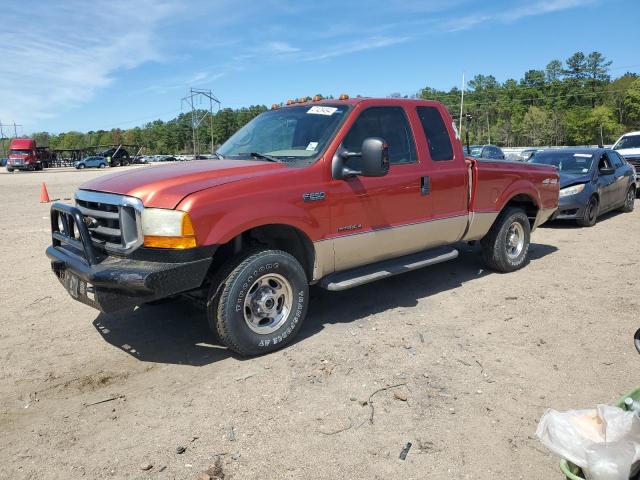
[(477, 357)]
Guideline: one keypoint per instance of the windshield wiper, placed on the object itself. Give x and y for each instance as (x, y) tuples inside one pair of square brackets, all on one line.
[(262, 156), (220, 157)]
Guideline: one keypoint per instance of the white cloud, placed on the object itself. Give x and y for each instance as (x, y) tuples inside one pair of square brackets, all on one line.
[(280, 47), (65, 53), (514, 14), (356, 46)]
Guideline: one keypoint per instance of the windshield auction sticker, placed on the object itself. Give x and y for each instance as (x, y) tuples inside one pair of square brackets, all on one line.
[(320, 110)]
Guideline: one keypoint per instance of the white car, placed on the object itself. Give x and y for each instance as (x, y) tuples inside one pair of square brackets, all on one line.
[(628, 145)]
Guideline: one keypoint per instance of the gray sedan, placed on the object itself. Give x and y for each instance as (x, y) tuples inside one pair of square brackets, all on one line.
[(593, 181)]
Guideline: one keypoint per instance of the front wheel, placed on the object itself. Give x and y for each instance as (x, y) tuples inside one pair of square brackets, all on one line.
[(258, 302), (629, 201), (81, 166), (9, 169), (590, 214), (102, 165), (506, 247)]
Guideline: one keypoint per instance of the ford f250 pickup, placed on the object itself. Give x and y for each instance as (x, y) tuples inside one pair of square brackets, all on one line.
[(331, 192)]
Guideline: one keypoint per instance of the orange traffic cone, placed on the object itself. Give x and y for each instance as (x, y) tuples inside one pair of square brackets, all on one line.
[(44, 195)]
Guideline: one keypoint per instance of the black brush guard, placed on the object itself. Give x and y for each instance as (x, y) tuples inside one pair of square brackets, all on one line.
[(110, 283)]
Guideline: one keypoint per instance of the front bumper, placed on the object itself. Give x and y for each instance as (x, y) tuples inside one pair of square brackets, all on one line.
[(110, 283), (572, 207)]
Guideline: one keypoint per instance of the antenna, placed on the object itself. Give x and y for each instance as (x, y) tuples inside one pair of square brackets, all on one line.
[(461, 104)]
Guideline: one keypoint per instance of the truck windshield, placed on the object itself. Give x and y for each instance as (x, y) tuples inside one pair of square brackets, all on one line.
[(631, 141), (20, 152), (290, 134), (570, 163)]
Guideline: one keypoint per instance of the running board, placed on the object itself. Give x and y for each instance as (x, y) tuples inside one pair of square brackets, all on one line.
[(387, 268)]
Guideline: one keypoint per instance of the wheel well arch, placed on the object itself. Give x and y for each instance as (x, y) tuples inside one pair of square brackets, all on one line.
[(273, 236), (526, 203)]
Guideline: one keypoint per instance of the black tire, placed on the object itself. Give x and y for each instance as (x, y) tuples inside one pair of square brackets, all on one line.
[(230, 290), (9, 169), (590, 214), (102, 165), (629, 201), (81, 166), (498, 250)]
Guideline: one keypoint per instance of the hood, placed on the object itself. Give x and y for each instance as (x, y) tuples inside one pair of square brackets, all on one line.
[(165, 186), (568, 180), (629, 152)]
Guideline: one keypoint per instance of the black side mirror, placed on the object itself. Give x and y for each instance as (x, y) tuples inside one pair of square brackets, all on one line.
[(374, 160), (607, 171)]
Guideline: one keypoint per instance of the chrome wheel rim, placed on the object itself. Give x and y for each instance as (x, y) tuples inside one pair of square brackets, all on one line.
[(515, 240), (268, 303), (631, 194)]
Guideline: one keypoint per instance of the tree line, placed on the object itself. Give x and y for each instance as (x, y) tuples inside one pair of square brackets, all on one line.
[(575, 102)]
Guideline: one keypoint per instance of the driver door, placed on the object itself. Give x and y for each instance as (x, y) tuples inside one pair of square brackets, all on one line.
[(376, 218), (606, 184)]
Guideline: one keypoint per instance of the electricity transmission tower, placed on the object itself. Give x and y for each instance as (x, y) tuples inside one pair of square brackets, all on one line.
[(197, 97), (3, 138)]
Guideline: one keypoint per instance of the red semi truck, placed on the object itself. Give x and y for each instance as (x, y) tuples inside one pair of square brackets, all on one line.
[(331, 192), (24, 154)]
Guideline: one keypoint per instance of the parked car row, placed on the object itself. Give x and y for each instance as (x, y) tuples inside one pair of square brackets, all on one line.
[(593, 181)]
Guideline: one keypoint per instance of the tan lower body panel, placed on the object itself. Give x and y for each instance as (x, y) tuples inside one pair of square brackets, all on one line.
[(479, 224), (543, 215), (358, 249)]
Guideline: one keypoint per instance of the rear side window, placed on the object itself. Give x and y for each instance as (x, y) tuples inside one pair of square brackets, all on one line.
[(436, 132), (388, 123)]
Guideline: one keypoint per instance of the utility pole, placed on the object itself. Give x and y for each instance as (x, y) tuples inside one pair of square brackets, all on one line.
[(197, 118), (488, 127), (2, 138)]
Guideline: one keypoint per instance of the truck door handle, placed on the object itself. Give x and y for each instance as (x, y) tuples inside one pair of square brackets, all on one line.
[(425, 186)]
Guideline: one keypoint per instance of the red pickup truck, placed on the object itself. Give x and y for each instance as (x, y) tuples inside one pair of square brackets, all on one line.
[(334, 192)]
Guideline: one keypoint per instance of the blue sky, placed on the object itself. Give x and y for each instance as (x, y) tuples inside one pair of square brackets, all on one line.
[(102, 64)]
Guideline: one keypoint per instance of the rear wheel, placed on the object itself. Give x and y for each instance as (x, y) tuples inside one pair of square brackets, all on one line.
[(9, 169), (102, 165), (506, 247), (258, 301), (590, 214), (81, 166), (629, 201)]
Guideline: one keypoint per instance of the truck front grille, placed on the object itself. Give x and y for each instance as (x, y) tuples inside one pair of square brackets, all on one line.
[(113, 220), (635, 161)]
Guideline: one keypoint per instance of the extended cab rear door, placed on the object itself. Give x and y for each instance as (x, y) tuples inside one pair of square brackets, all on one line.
[(378, 218)]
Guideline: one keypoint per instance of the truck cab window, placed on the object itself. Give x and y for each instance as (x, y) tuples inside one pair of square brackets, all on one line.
[(436, 132), (388, 123)]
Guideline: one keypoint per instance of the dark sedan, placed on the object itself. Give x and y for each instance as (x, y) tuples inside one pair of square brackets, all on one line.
[(593, 181)]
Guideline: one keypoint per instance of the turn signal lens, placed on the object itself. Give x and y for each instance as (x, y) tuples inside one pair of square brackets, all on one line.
[(167, 229)]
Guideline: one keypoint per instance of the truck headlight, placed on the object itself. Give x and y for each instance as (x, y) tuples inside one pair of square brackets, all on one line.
[(573, 190), (167, 229)]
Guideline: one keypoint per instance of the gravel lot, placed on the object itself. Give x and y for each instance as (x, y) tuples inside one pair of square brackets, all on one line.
[(477, 357)]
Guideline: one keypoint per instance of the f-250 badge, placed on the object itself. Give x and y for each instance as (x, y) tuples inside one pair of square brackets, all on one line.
[(313, 196)]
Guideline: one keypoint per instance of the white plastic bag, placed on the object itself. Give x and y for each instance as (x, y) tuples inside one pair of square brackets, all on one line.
[(610, 461), (604, 442), (569, 434)]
